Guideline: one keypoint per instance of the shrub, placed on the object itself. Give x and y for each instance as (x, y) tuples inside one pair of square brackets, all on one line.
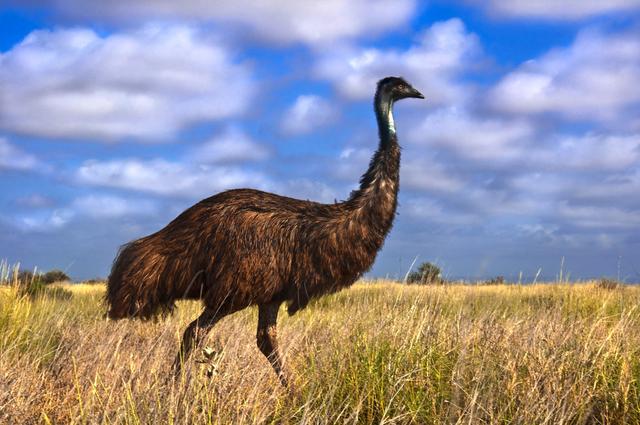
[(37, 288), (55, 276), (57, 292), (26, 277), (427, 273), (31, 287), (605, 283), (498, 280), (94, 281)]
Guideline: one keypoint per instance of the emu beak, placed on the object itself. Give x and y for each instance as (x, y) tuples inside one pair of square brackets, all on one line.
[(415, 93)]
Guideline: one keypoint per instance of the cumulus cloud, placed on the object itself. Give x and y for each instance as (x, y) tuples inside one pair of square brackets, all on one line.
[(307, 113), (512, 142), (595, 152), (35, 201), (14, 158), (432, 64), (232, 145), (505, 168), (94, 207), (431, 210), (44, 221), (352, 163), (596, 78), (419, 171), (556, 10), (423, 173), (313, 190), (579, 189), (305, 21), (167, 178), (144, 84), (619, 189), (600, 216), (108, 206), (492, 140)]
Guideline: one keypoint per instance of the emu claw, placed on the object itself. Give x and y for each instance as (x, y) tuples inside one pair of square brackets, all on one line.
[(209, 357)]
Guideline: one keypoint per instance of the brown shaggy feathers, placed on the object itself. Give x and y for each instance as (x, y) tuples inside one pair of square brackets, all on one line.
[(244, 247)]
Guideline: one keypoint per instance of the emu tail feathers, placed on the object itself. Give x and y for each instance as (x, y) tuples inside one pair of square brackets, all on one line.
[(133, 288)]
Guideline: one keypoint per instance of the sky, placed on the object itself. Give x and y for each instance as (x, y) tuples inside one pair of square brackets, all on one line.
[(524, 159)]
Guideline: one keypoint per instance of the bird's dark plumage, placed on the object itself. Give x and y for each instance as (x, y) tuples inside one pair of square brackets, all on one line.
[(244, 247)]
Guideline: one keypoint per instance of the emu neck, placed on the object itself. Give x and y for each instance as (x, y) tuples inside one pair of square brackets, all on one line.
[(383, 105), (374, 203)]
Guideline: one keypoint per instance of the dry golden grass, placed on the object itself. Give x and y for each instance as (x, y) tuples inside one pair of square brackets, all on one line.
[(376, 353)]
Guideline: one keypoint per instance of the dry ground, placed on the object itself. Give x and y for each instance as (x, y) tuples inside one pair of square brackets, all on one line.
[(376, 353)]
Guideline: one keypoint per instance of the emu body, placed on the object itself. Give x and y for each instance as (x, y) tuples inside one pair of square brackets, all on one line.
[(245, 247)]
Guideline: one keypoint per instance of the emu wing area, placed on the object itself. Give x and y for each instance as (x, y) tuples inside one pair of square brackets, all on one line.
[(252, 247), (239, 248)]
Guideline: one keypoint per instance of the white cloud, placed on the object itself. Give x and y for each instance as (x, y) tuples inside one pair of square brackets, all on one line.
[(499, 141), (167, 178), (309, 189), (96, 207), (600, 216), (14, 158), (147, 84), (306, 114), (35, 201), (542, 185), (557, 10), (417, 171), (590, 152), (615, 189), (596, 78), (107, 206), (490, 140), (307, 21), (44, 221), (435, 212), (432, 64), (452, 182), (352, 163), (423, 173), (232, 145)]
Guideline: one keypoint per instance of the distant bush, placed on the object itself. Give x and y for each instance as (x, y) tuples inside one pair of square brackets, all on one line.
[(26, 277), (34, 285), (426, 274), (498, 280), (96, 281), (55, 276), (37, 288), (605, 283)]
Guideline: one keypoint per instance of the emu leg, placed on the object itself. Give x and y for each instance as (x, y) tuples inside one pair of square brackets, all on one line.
[(194, 334), (266, 338)]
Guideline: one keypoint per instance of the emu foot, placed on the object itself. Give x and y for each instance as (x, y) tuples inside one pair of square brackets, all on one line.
[(211, 359)]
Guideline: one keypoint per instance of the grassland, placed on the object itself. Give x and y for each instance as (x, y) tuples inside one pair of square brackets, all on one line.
[(376, 353)]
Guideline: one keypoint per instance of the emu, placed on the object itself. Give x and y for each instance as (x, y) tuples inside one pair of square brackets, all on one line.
[(245, 247)]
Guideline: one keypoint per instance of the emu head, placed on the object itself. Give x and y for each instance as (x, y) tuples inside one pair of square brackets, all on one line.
[(396, 88)]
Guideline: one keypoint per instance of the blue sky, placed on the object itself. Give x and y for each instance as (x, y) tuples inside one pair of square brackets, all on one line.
[(113, 119)]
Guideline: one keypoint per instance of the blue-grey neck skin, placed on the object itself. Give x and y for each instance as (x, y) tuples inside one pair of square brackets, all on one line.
[(383, 104), (381, 178)]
